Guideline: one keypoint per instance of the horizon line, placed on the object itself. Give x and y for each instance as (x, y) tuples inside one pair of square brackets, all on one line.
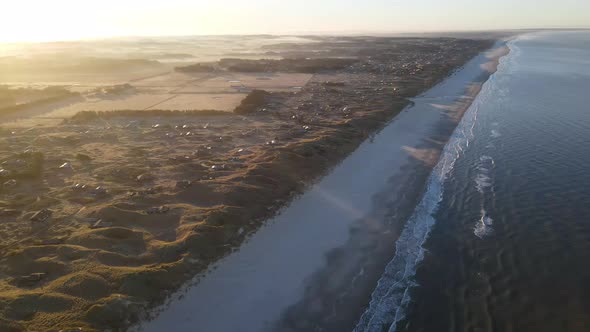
[(296, 34)]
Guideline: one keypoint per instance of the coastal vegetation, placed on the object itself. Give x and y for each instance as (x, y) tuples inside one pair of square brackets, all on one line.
[(105, 214)]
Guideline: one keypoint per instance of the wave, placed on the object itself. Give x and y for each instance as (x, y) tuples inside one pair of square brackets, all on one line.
[(391, 297), (483, 227), (483, 184), (483, 178)]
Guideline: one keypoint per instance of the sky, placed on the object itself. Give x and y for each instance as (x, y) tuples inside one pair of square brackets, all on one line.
[(51, 20)]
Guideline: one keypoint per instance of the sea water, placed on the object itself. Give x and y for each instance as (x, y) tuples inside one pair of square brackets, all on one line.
[(501, 238)]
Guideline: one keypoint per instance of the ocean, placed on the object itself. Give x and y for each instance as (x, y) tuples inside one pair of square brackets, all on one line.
[(501, 238)]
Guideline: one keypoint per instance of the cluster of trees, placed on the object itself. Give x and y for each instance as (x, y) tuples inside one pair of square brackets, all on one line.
[(13, 100)]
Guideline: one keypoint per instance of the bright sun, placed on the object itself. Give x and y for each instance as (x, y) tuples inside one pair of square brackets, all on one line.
[(41, 20), (44, 20)]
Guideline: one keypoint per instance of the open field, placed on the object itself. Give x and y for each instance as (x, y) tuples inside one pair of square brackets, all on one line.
[(173, 91), (105, 214)]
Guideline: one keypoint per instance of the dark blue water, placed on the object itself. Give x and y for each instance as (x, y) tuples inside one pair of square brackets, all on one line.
[(504, 232), (510, 249)]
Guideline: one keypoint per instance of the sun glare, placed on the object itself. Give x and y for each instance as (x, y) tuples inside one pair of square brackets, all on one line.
[(32, 21)]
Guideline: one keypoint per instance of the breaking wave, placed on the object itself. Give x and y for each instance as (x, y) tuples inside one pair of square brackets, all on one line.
[(483, 227), (391, 297), (483, 183)]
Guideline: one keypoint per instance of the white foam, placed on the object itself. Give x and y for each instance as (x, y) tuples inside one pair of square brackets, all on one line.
[(483, 181), (484, 185), (483, 227)]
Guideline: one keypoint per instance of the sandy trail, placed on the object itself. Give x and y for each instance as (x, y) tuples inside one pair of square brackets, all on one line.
[(254, 288)]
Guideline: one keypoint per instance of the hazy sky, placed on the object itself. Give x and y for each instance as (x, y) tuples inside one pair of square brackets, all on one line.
[(34, 20)]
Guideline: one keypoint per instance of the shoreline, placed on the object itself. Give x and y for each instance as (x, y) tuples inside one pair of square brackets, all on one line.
[(418, 150), (447, 132)]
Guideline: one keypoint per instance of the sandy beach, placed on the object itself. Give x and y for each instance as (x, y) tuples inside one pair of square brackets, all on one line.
[(314, 265)]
